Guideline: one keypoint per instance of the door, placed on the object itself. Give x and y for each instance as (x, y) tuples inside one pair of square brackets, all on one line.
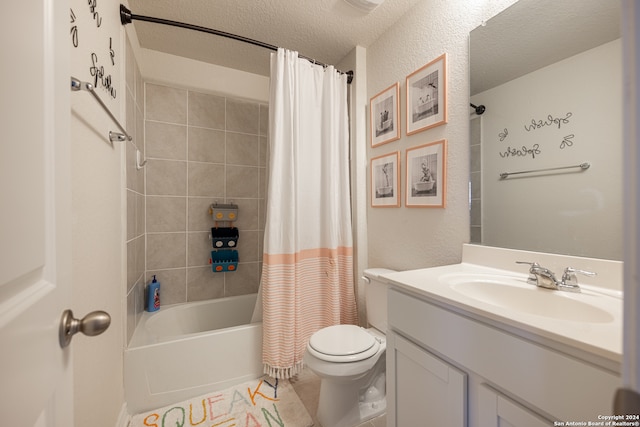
[(496, 410), (627, 399), (35, 219), (427, 391)]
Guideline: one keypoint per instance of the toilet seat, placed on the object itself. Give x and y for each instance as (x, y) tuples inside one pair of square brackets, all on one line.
[(343, 343)]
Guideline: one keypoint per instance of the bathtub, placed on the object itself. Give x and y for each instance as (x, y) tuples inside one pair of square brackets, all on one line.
[(189, 349)]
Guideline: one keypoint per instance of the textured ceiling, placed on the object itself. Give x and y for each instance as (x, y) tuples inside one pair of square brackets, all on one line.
[(325, 30), (532, 34)]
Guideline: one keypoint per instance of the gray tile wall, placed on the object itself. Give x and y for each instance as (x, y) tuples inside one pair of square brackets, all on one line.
[(201, 149), (135, 192), (476, 179)]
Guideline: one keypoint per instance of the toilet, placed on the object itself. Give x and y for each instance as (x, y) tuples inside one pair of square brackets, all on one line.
[(350, 361)]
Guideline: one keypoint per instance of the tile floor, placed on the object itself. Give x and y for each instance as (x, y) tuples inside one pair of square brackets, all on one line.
[(307, 386)]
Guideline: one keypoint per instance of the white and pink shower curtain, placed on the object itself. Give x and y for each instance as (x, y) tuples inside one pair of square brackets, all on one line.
[(307, 276)]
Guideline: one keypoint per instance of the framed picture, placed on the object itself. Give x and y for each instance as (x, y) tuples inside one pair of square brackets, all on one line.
[(427, 175), (427, 96), (385, 181), (384, 109)]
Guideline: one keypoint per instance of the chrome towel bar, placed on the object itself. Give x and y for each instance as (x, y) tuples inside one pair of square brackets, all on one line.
[(582, 166), (77, 85)]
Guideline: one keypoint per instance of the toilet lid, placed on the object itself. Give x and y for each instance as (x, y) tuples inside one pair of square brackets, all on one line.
[(343, 343)]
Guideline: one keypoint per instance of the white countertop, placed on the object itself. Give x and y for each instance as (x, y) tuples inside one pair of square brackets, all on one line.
[(582, 339)]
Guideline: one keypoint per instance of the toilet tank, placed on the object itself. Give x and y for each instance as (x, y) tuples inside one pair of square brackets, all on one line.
[(375, 294)]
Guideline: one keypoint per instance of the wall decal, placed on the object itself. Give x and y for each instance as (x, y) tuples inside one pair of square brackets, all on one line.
[(93, 5), (567, 141), (74, 29), (534, 150), (522, 151), (99, 42), (550, 121), (112, 53), (99, 77)]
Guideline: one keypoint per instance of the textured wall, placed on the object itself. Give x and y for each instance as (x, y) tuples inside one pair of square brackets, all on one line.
[(357, 61), (406, 238), (98, 209)]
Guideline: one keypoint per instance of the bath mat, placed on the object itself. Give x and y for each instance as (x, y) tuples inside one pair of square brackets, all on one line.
[(264, 402)]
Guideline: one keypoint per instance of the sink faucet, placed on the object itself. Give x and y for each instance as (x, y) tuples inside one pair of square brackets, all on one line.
[(544, 278)]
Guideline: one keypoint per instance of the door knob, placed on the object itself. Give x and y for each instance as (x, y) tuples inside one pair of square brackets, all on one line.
[(92, 324)]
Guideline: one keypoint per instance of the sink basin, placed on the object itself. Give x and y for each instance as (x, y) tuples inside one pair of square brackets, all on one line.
[(517, 295)]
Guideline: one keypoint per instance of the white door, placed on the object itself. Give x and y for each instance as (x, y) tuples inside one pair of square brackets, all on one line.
[(35, 219), (428, 391), (497, 410), (631, 66)]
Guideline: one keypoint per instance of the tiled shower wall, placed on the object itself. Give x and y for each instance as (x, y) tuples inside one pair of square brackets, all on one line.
[(475, 141), (202, 149), (134, 192)]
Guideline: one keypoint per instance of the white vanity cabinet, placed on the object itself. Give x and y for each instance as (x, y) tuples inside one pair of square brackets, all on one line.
[(446, 367)]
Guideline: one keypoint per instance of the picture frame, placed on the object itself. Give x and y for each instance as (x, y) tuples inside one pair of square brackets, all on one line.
[(385, 181), (426, 179), (427, 96), (384, 112)]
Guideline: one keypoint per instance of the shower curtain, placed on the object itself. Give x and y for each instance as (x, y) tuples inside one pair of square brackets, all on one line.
[(307, 273)]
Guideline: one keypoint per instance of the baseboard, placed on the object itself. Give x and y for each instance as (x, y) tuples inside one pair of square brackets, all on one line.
[(124, 418)]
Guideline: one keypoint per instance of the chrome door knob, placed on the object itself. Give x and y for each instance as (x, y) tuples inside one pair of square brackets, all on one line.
[(92, 324)]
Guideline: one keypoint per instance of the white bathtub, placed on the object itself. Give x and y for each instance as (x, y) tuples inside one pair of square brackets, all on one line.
[(185, 350)]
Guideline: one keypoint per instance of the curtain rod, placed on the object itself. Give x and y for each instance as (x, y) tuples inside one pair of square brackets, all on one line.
[(126, 17)]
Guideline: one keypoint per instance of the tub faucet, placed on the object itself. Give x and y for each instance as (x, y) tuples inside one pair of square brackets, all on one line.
[(544, 278)]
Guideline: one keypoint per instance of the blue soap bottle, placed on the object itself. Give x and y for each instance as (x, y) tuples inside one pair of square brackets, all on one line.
[(153, 295)]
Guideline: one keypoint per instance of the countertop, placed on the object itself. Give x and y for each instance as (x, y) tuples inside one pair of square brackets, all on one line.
[(599, 343)]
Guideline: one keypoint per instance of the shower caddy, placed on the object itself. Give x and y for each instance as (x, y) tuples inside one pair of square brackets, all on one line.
[(224, 238)]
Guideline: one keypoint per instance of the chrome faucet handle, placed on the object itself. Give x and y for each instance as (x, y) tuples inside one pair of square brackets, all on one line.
[(532, 279), (532, 264), (545, 278), (540, 276), (570, 279)]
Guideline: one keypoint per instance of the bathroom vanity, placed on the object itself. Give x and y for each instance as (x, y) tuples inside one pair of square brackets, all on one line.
[(475, 345)]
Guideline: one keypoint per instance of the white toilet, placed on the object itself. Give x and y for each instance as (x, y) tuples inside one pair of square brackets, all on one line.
[(350, 362)]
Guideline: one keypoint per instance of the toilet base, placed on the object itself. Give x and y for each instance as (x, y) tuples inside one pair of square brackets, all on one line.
[(349, 404)]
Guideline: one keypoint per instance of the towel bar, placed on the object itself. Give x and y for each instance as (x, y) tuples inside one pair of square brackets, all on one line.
[(77, 85), (582, 166)]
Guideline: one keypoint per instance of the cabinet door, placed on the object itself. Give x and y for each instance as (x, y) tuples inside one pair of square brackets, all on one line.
[(425, 390), (496, 410)]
